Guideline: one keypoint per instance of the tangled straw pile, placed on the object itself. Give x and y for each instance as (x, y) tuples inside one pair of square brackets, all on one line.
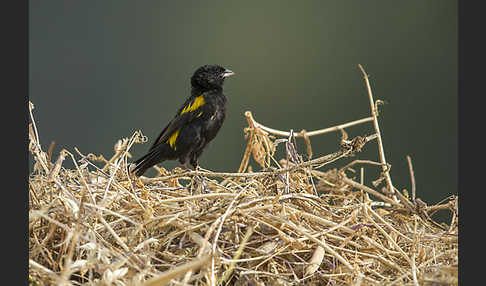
[(287, 225)]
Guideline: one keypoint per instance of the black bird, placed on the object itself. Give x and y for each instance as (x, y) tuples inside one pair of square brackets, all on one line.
[(196, 123)]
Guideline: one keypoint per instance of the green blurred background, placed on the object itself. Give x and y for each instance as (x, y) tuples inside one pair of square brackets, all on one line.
[(100, 70)]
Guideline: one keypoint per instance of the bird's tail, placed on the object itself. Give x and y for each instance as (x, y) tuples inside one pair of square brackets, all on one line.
[(140, 166)]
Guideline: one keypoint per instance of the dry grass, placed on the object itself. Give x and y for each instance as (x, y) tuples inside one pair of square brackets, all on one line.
[(289, 224)]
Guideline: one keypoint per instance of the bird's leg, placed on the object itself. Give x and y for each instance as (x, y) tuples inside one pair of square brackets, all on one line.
[(186, 167), (191, 184), (183, 162), (202, 181), (198, 178)]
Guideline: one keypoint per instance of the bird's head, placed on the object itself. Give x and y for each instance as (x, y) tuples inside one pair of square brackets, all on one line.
[(210, 77)]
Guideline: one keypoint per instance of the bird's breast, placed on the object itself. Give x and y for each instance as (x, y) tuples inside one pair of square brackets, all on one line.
[(215, 121)]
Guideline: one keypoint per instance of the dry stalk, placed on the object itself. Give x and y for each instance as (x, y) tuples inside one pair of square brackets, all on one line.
[(237, 255), (304, 133), (412, 177), (167, 276), (293, 224), (369, 190), (374, 114)]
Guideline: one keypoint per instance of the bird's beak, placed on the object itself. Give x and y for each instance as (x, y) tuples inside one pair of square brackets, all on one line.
[(228, 73)]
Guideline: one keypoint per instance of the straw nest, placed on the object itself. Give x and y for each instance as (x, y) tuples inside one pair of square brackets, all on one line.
[(292, 223)]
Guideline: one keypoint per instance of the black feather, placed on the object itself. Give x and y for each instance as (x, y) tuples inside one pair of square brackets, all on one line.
[(195, 124)]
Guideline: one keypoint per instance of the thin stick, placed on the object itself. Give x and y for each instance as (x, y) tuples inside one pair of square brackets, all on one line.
[(119, 152), (319, 242), (438, 207), (83, 179), (168, 275), (113, 233), (43, 269), (355, 162), (49, 151), (369, 190), (223, 218), (412, 177), (404, 200), (57, 166), (321, 220), (38, 150), (414, 250), (389, 238), (122, 150), (387, 224), (377, 257), (304, 133), (233, 262), (246, 155), (198, 197), (374, 113), (423, 264)]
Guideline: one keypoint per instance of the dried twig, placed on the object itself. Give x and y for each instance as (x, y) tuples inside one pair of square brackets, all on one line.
[(177, 271), (304, 133), (412, 177), (374, 113)]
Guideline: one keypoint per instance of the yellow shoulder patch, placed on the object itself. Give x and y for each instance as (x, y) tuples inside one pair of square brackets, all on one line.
[(195, 104), (172, 139)]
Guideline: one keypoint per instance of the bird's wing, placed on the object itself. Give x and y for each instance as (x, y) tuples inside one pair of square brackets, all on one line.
[(190, 110)]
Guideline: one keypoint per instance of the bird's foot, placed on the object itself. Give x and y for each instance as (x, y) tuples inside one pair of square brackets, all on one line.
[(198, 183), (203, 184)]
